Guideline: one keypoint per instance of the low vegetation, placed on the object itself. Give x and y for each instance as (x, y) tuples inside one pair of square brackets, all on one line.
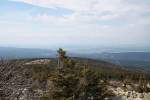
[(67, 78)]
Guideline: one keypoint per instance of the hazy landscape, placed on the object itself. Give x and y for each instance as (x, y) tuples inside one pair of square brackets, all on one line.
[(74, 50), (131, 60)]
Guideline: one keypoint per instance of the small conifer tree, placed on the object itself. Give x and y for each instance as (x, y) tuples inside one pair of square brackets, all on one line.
[(71, 82)]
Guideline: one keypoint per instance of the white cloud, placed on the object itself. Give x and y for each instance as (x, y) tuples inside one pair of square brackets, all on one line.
[(92, 6), (90, 10), (106, 21)]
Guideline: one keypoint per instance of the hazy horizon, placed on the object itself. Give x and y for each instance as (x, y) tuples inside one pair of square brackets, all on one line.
[(80, 50)]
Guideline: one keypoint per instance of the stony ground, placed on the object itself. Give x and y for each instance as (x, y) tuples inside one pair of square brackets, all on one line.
[(128, 94), (16, 83)]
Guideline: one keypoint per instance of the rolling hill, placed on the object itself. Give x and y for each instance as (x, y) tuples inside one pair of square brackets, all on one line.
[(128, 59)]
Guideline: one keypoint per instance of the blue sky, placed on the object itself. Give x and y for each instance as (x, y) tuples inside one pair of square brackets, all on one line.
[(75, 23)]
